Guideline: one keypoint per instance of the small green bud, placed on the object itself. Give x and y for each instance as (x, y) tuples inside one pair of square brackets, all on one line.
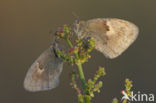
[(80, 98), (90, 83), (92, 94), (66, 29), (98, 91), (87, 99), (128, 86), (115, 100), (100, 84)]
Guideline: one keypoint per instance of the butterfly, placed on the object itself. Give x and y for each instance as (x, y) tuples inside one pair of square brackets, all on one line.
[(112, 37)]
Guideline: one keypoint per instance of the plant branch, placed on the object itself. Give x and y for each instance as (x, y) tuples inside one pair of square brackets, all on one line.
[(80, 69), (79, 65)]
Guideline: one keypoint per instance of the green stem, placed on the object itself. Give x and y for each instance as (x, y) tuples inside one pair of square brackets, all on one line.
[(71, 46), (69, 43), (80, 69), (79, 65)]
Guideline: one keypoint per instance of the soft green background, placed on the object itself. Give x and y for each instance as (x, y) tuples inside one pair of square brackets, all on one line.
[(24, 34)]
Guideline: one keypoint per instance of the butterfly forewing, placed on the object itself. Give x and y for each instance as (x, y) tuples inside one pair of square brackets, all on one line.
[(112, 36), (44, 72)]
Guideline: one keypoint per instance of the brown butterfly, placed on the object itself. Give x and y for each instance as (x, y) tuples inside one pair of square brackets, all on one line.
[(44, 72), (112, 37)]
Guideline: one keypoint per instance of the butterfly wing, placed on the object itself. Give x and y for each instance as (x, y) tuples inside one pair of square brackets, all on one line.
[(112, 36), (44, 72)]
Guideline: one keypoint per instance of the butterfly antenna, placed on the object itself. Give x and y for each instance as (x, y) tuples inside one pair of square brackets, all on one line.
[(77, 19)]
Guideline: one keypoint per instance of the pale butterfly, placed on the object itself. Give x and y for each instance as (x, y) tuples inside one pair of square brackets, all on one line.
[(112, 37), (44, 72)]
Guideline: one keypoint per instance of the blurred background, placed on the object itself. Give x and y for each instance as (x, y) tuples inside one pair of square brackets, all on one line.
[(24, 35)]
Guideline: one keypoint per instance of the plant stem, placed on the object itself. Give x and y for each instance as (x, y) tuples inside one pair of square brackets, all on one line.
[(79, 65), (80, 69), (69, 43)]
